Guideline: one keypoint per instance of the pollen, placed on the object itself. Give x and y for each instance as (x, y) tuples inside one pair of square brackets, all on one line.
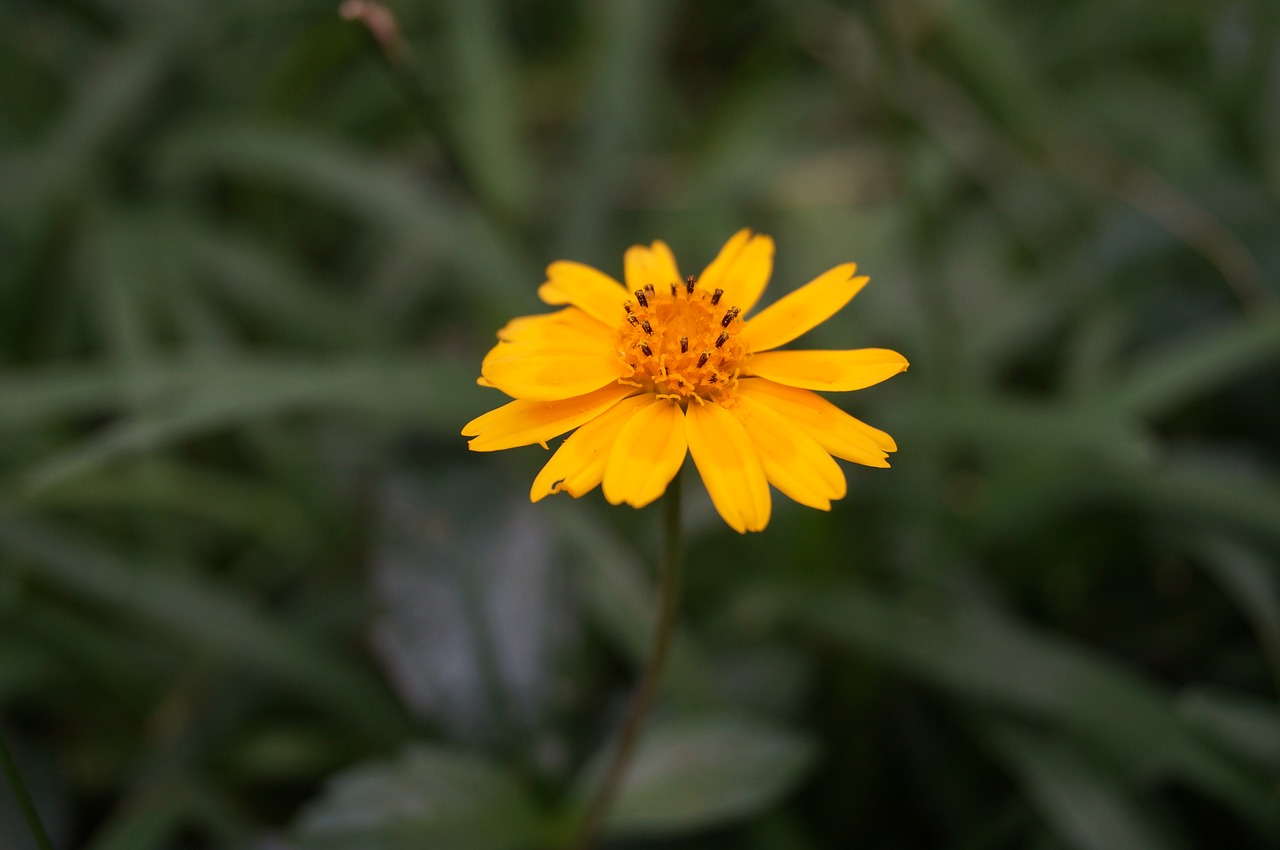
[(683, 345)]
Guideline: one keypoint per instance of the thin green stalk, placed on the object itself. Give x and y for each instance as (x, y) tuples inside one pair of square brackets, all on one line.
[(23, 796), (389, 44), (629, 735)]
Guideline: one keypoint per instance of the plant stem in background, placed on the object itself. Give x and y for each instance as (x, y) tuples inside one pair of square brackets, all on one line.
[(23, 796), (651, 678), (390, 45)]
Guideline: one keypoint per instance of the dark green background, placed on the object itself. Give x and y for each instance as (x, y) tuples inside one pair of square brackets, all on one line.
[(255, 592)]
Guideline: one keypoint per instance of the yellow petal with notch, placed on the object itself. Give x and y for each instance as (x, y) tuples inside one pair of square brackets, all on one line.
[(792, 460), (538, 373), (839, 433), (730, 467), (742, 269), (577, 467), (654, 265), (647, 454), (803, 310), (563, 324), (522, 423), (591, 290)]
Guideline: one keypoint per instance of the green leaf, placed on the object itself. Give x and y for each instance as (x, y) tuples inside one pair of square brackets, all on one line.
[(201, 616), (23, 667), (182, 489), (37, 769), (273, 291), (1007, 424), (152, 824), (105, 102), (486, 108), (627, 38), (475, 607), (382, 191), (423, 389), (428, 798), (424, 224), (984, 657), (1088, 808), (202, 395), (1249, 579), (1241, 723), (1205, 494), (696, 774), (1194, 367)]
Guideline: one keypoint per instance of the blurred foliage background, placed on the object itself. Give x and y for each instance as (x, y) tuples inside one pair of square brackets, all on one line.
[(254, 591)]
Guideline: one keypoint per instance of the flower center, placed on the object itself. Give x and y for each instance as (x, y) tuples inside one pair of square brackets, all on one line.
[(682, 344)]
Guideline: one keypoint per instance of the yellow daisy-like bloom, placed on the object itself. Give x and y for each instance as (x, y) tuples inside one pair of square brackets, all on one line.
[(671, 365)]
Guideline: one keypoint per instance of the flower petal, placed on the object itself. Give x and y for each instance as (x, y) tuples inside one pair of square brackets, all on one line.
[(550, 375), (522, 423), (597, 294), (836, 431), (828, 370), (793, 462), (654, 264), (560, 325), (729, 465), (741, 269), (647, 454), (540, 338), (802, 310), (578, 465)]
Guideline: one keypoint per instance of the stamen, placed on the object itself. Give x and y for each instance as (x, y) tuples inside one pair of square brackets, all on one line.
[(677, 335)]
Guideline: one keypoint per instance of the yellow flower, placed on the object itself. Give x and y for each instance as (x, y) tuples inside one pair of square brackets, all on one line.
[(671, 364)]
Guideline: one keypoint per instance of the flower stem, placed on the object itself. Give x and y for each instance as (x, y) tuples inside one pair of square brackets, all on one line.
[(650, 679), (23, 796)]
